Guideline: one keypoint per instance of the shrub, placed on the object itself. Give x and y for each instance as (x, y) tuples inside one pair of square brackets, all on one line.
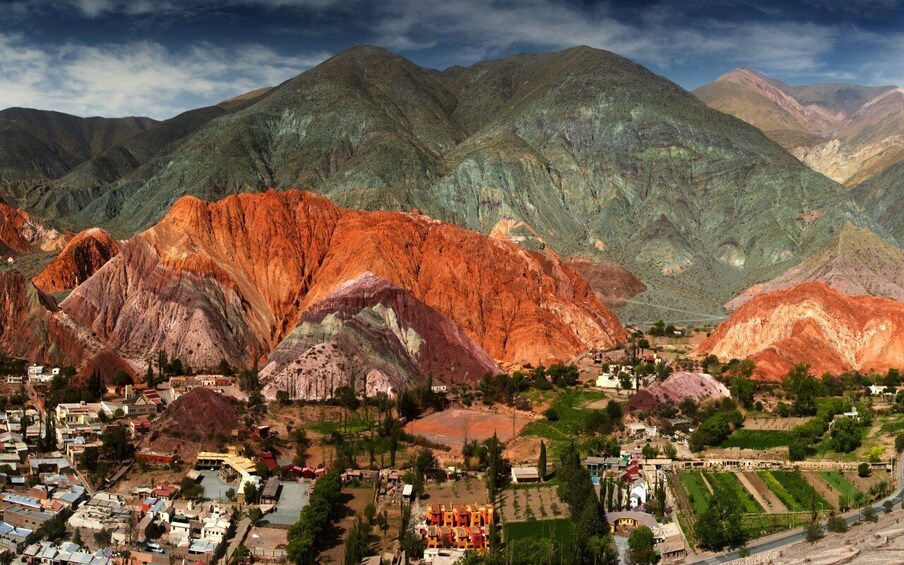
[(551, 414), (863, 470)]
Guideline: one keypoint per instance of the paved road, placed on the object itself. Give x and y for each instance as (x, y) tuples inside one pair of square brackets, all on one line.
[(798, 535)]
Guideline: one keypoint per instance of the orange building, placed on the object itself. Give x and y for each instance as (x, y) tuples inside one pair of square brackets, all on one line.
[(460, 526)]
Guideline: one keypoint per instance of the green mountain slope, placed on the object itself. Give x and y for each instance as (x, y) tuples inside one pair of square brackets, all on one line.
[(45, 144), (604, 159)]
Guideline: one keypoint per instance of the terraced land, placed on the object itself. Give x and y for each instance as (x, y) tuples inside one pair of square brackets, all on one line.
[(793, 490), (729, 481), (697, 490), (757, 439), (839, 483)]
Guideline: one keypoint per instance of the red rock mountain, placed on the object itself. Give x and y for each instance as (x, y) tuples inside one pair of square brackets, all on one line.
[(372, 335), (232, 279), (812, 323), (82, 257), (19, 234), (32, 327)]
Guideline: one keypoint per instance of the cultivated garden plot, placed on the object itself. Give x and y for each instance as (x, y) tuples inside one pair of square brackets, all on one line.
[(524, 504), (794, 491)]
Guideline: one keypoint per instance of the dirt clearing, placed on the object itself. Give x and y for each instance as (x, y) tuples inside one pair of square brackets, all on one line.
[(456, 426)]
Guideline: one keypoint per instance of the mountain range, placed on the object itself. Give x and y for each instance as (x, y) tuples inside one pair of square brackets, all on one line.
[(848, 132), (452, 223), (603, 160)]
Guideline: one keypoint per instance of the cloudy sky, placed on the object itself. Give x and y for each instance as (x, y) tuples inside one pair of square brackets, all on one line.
[(160, 57)]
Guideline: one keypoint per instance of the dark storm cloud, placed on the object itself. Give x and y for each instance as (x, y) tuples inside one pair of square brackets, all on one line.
[(159, 57)]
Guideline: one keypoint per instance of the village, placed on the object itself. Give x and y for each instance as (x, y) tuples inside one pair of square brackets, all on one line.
[(201, 468)]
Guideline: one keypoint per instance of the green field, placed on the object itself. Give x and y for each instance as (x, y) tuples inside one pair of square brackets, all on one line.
[(561, 530), (840, 484), (696, 490), (572, 419), (729, 481), (757, 439), (793, 490), (758, 525)]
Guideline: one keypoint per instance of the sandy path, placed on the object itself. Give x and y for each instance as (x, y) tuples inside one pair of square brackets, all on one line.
[(760, 499), (754, 483), (706, 482), (823, 487)]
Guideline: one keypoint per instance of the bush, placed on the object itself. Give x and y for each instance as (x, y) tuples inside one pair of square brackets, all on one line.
[(551, 415), (899, 443), (836, 524), (863, 470), (869, 514), (888, 505)]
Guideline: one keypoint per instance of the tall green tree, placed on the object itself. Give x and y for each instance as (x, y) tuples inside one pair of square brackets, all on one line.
[(541, 462), (641, 546)]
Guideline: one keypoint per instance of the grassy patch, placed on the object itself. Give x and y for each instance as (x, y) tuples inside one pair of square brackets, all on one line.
[(696, 488), (840, 484), (729, 481), (757, 439), (793, 490), (758, 525), (572, 419), (355, 424), (561, 530)]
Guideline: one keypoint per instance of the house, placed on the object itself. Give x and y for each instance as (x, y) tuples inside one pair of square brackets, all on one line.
[(641, 430), (67, 553), (639, 493), (24, 518), (882, 390), (14, 539), (521, 475), (139, 426), (269, 461), (141, 406), (270, 492), (215, 529), (165, 491), (78, 413), (154, 458)]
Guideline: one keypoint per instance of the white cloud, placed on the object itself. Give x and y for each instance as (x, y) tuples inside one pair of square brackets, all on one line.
[(662, 35), (142, 78)]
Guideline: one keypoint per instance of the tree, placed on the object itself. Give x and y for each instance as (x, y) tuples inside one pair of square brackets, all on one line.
[(103, 538), (836, 524), (640, 546), (77, 537), (230, 494), (863, 470), (494, 467), (899, 443), (669, 451), (149, 375), (282, 396), (742, 389), (846, 435), (190, 489), (541, 462), (121, 378), (720, 524), (813, 531), (89, 458), (650, 451), (356, 543), (869, 513)]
